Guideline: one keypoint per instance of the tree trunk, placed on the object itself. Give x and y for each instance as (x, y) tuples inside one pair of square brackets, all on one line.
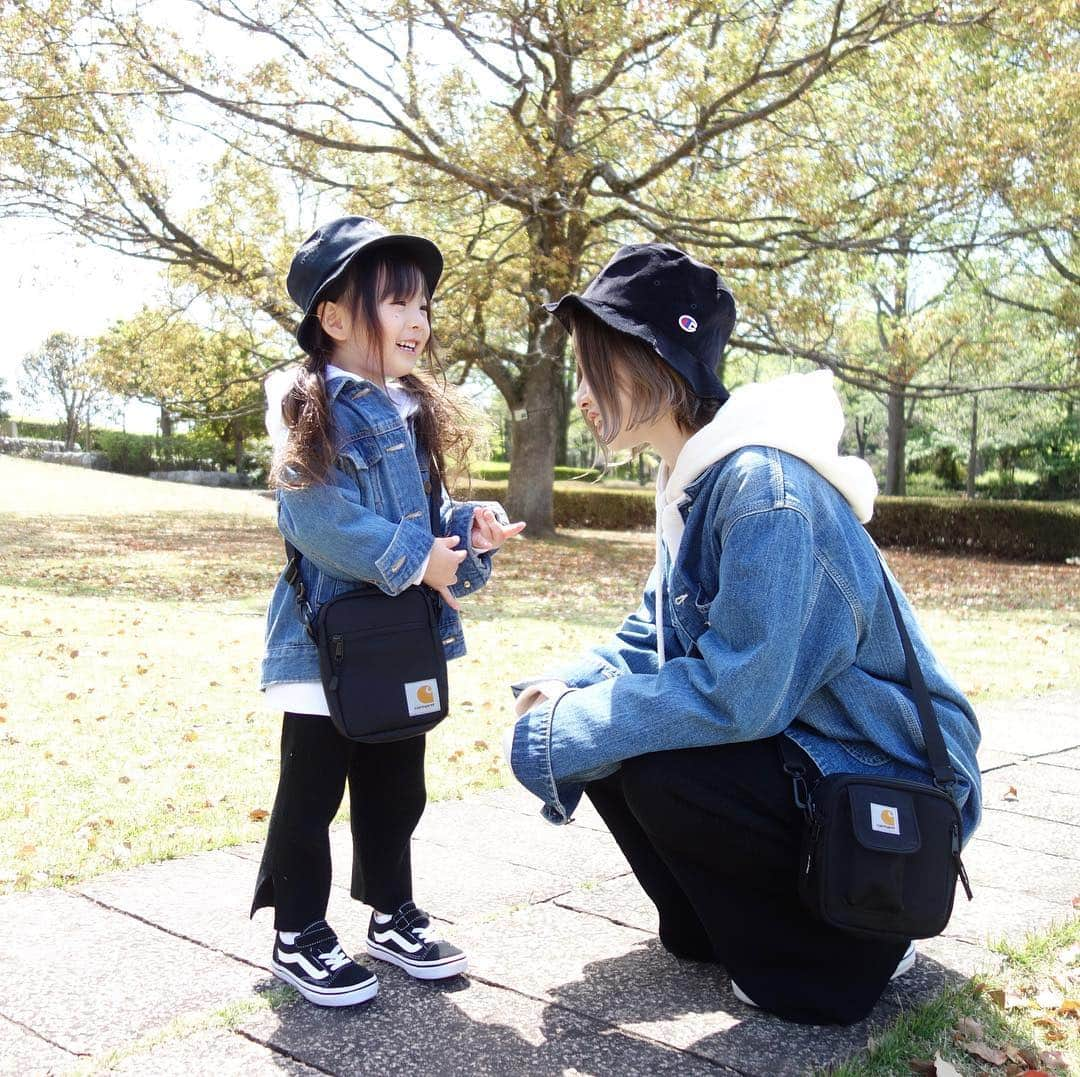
[(238, 447), (895, 469), (166, 422), (71, 426), (862, 434), (532, 456), (973, 449)]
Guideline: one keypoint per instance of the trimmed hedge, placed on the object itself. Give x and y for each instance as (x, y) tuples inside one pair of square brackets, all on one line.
[(497, 471), (1025, 530)]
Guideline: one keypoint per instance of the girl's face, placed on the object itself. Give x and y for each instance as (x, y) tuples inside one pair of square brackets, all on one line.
[(404, 331)]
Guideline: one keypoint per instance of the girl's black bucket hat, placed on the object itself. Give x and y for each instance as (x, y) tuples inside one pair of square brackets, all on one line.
[(677, 305), (327, 252)]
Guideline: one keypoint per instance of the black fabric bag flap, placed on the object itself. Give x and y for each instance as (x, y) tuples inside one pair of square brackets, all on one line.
[(884, 819)]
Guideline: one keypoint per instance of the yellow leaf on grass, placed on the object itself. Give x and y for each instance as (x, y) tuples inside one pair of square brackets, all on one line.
[(1070, 1007), (191, 735), (27, 850)]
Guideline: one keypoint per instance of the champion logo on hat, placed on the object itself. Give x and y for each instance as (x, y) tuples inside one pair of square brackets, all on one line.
[(687, 324)]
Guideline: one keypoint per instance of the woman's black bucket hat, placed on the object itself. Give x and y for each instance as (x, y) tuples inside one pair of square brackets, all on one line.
[(327, 252), (674, 303)]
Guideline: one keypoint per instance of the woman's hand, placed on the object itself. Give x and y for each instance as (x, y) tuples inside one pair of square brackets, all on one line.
[(488, 533), (443, 562)]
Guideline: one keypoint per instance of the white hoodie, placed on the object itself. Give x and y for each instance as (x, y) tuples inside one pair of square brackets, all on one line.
[(799, 414)]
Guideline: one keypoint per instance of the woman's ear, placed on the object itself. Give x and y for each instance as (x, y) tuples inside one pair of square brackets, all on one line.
[(333, 319)]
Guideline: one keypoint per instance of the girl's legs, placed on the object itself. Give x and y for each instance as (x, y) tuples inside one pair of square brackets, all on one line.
[(294, 876), (387, 797), (723, 822)]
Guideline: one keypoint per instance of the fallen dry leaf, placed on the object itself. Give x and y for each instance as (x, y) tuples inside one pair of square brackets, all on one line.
[(982, 1050), (945, 1069), (27, 850), (970, 1029), (922, 1065), (1052, 1058), (257, 815), (191, 736), (997, 997), (1054, 1032), (1011, 794)]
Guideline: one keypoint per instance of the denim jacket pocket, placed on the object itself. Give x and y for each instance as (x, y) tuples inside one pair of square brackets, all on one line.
[(688, 619), (359, 458)]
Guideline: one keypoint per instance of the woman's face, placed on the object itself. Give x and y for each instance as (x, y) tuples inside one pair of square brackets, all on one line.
[(627, 437)]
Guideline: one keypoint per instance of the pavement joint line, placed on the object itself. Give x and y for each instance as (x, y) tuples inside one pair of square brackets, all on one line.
[(275, 1049), (1024, 815), (1024, 849), (174, 934), (45, 1039), (603, 1023), (1038, 757), (599, 916)]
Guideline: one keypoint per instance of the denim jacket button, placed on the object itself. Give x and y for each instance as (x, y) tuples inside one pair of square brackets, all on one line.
[(427, 486)]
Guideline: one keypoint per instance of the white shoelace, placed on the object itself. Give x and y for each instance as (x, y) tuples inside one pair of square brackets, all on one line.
[(424, 933), (334, 959)]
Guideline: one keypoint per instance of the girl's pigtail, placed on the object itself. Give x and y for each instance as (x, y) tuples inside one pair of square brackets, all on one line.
[(442, 424), (308, 453)]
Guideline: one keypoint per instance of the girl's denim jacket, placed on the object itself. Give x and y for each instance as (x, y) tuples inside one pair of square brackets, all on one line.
[(775, 621), (369, 522)]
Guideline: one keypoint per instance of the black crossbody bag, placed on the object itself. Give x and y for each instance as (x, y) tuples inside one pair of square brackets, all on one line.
[(381, 659), (881, 856)]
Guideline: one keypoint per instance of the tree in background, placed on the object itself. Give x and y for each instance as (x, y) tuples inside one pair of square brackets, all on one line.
[(61, 374), (5, 399), (211, 378)]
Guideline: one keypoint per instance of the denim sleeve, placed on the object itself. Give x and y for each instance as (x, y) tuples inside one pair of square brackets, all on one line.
[(749, 682), (457, 518), (332, 528)]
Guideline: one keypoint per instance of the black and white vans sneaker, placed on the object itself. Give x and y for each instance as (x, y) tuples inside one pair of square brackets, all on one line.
[(408, 940), (315, 964)]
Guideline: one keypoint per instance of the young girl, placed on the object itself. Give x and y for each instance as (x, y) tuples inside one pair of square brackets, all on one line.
[(361, 442), (764, 622)]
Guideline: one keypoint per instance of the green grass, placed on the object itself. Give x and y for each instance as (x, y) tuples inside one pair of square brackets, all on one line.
[(1036, 971), (131, 728)]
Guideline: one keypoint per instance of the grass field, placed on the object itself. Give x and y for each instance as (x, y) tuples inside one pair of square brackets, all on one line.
[(130, 724)]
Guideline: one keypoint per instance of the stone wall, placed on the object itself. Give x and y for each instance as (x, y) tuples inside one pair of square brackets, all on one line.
[(202, 478)]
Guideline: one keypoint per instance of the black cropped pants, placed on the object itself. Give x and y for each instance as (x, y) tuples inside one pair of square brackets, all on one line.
[(386, 799), (713, 836)]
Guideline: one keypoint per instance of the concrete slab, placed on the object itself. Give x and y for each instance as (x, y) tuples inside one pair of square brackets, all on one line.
[(573, 852), (998, 913), (211, 1053), (70, 1005), (460, 1027), (1051, 878), (1035, 790), (626, 979), (1068, 759), (621, 900), (207, 898), (1029, 834), (28, 1055), (991, 760), (514, 798), (458, 884), (1031, 726)]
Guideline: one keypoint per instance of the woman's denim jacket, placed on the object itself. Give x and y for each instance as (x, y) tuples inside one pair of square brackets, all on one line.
[(775, 620), (369, 522)]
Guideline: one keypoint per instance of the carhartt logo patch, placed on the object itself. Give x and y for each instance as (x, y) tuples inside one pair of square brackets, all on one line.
[(884, 818), (422, 697), (687, 323)]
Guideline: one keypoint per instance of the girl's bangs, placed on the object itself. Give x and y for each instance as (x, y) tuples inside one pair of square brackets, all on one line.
[(398, 279)]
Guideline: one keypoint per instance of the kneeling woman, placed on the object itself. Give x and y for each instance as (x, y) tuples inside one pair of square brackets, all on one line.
[(765, 620)]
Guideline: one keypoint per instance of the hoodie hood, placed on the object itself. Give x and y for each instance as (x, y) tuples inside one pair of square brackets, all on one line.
[(799, 414)]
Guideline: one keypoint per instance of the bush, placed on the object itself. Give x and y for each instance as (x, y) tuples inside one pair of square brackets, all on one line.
[(130, 454), (47, 431), (497, 471), (1026, 530), (139, 454)]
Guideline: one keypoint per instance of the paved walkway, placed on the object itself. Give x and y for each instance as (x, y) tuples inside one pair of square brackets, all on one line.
[(158, 971)]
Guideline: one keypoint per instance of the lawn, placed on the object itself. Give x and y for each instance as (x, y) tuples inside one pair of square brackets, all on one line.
[(130, 721)]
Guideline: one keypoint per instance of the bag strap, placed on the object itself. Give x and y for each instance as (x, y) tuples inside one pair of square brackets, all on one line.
[(944, 775), (942, 769), (293, 556)]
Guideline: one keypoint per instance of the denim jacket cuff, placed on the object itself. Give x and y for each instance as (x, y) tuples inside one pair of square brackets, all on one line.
[(408, 549), (530, 760), (475, 570)]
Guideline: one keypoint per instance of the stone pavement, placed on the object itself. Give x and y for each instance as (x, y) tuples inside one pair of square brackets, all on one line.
[(158, 971)]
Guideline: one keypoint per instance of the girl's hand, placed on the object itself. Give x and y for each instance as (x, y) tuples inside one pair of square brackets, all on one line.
[(442, 568), (488, 534)]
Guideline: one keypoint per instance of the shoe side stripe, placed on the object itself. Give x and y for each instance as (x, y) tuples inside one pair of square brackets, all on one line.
[(403, 941), (312, 970)]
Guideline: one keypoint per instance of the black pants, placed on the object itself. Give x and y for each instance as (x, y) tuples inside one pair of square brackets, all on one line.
[(386, 799), (712, 835)]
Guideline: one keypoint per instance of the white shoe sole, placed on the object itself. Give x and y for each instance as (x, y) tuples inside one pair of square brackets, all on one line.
[(421, 970), (903, 965), (342, 996)]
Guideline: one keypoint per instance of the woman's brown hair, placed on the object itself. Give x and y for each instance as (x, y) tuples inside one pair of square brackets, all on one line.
[(441, 425), (610, 359)]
